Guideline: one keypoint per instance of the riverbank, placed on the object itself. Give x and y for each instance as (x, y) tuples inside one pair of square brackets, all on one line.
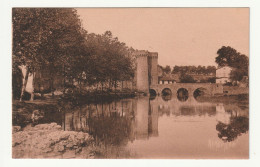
[(50, 141), (49, 109)]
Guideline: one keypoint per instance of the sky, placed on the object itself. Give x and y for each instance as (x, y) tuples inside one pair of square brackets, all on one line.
[(181, 36)]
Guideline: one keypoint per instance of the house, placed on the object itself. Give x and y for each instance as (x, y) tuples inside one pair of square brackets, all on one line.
[(169, 79), (223, 74)]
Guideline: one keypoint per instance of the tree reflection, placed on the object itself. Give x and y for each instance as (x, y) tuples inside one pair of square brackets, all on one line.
[(237, 126), (110, 130)]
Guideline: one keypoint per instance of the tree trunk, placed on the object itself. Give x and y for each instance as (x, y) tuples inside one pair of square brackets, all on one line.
[(51, 80), (32, 94), (64, 79), (24, 83), (79, 82), (115, 86), (109, 83), (52, 89), (102, 87)]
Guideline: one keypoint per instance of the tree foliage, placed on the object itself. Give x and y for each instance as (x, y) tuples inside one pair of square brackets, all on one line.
[(53, 39), (166, 69), (184, 78), (194, 70), (228, 56), (110, 59)]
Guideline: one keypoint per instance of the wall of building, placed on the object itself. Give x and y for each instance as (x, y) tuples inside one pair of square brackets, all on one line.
[(223, 74), (142, 83), (146, 70), (153, 63)]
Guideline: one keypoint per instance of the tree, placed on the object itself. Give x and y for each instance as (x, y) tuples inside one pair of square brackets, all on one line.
[(228, 56), (53, 39), (110, 59), (167, 69), (194, 70), (184, 78), (45, 37)]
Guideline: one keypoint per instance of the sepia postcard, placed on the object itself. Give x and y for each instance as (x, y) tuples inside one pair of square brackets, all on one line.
[(130, 83)]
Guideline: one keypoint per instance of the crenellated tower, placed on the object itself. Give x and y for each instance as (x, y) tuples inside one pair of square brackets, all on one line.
[(142, 83), (146, 70)]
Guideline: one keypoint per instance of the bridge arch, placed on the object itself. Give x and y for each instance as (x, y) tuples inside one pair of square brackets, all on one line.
[(207, 88), (182, 94), (200, 92), (152, 92), (166, 92)]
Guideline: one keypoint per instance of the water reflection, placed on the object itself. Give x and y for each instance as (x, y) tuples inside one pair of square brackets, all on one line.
[(126, 122), (167, 97), (235, 123), (115, 123)]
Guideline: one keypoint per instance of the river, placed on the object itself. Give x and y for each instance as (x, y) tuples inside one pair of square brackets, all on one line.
[(164, 128)]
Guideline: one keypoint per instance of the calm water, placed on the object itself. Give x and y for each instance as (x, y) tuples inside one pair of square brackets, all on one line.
[(164, 128)]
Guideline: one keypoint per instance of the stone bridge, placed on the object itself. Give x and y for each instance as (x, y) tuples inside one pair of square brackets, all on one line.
[(208, 88), (147, 78)]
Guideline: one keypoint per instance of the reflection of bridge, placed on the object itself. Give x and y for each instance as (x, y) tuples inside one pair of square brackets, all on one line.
[(138, 118), (209, 88)]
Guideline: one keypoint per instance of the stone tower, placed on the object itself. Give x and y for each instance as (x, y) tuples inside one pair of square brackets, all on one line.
[(153, 70), (142, 83), (146, 70)]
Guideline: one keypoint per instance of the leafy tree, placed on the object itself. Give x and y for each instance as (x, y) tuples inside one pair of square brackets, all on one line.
[(184, 78), (194, 70), (110, 60), (228, 56), (167, 69), (45, 38), (53, 39)]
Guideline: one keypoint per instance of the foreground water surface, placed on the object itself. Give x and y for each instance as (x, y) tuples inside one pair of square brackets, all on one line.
[(163, 128)]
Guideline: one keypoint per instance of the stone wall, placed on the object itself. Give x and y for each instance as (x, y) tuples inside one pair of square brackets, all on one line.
[(142, 83), (146, 70), (153, 63), (235, 90)]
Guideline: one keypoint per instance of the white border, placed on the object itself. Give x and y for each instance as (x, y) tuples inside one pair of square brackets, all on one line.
[(5, 100)]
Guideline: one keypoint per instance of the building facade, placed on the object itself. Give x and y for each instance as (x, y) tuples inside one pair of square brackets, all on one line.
[(223, 74)]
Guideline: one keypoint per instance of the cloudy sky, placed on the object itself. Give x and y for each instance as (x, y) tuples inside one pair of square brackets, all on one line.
[(181, 36)]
